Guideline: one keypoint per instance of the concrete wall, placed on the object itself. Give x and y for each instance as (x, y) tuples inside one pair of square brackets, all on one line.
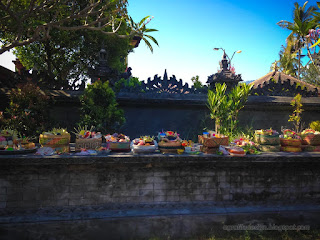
[(70, 181), (66, 188), (148, 114)]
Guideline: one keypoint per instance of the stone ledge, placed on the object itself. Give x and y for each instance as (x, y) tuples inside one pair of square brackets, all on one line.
[(146, 210), (129, 158)]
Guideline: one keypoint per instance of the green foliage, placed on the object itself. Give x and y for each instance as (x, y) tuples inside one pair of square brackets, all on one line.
[(141, 30), (132, 82), (224, 108), (295, 117), (28, 110), (310, 74), (24, 22), (64, 60), (196, 82), (217, 104), (303, 21), (315, 125), (100, 109), (64, 52)]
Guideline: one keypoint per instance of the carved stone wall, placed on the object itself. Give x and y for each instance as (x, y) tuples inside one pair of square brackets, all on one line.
[(165, 85), (285, 88)]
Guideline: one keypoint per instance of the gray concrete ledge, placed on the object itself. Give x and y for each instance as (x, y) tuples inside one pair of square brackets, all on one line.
[(130, 158), (109, 211)]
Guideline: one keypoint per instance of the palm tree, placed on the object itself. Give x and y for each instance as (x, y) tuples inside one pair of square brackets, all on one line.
[(140, 29), (302, 22), (288, 62)]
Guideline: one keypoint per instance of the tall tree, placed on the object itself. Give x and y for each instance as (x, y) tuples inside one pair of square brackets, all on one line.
[(67, 50), (27, 21), (287, 62), (64, 60), (302, 22)]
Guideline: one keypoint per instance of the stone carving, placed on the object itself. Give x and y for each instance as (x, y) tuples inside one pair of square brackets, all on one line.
[(279, 84), (169, 86), (224, 75)]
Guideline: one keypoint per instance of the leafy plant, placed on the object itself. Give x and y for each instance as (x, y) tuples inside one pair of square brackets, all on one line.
[(196, 82), (132, 82), (315, 125), (295, 117), (28, 110), (218, 105), (303, 21), (224, 108), (140, 30), (99, 108)]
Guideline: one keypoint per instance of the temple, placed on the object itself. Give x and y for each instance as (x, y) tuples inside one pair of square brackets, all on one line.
[(224, 75)]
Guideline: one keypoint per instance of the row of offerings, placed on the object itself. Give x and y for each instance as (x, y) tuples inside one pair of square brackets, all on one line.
[(267, 140)]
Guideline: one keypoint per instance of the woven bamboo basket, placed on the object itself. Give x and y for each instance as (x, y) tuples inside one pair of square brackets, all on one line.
[(119, 146), (213, 142), (54, 140), (290, 142), (143, 148), (267, 139), (169, 147), (88, 143), (291, 149), (209, 150), (311, 139), (310, 148), (60, 143), (269, 148)]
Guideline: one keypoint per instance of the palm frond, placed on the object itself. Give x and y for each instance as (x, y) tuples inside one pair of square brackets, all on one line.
[(152, 38), (148, 44)]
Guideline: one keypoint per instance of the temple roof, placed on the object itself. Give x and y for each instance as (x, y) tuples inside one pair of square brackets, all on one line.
[(6, 77), (280, 77)]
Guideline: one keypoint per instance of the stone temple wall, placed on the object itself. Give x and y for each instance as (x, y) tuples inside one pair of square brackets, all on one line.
[(147, 114), (39, 196)]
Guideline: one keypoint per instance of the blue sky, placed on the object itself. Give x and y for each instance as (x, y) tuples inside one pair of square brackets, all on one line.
[(189, 30)]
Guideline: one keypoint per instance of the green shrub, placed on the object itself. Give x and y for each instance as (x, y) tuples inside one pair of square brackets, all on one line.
[(100, 109), (132, 82), (28, 110), (315, 125)]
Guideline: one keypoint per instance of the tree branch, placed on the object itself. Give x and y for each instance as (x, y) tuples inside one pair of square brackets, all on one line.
[(92, 15)]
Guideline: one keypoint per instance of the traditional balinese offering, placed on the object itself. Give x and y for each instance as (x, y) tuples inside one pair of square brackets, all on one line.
[(268, 140), (310, 137), (26, 144), (236, 151), (247, 145), (188, 146), (58, 139), (8, 140), (310, 140), (267, 137), (290, 141), (144, 144), (211, 141), (169, 142), (231, 150), (10, 143), (87, 138), (118, 142)]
